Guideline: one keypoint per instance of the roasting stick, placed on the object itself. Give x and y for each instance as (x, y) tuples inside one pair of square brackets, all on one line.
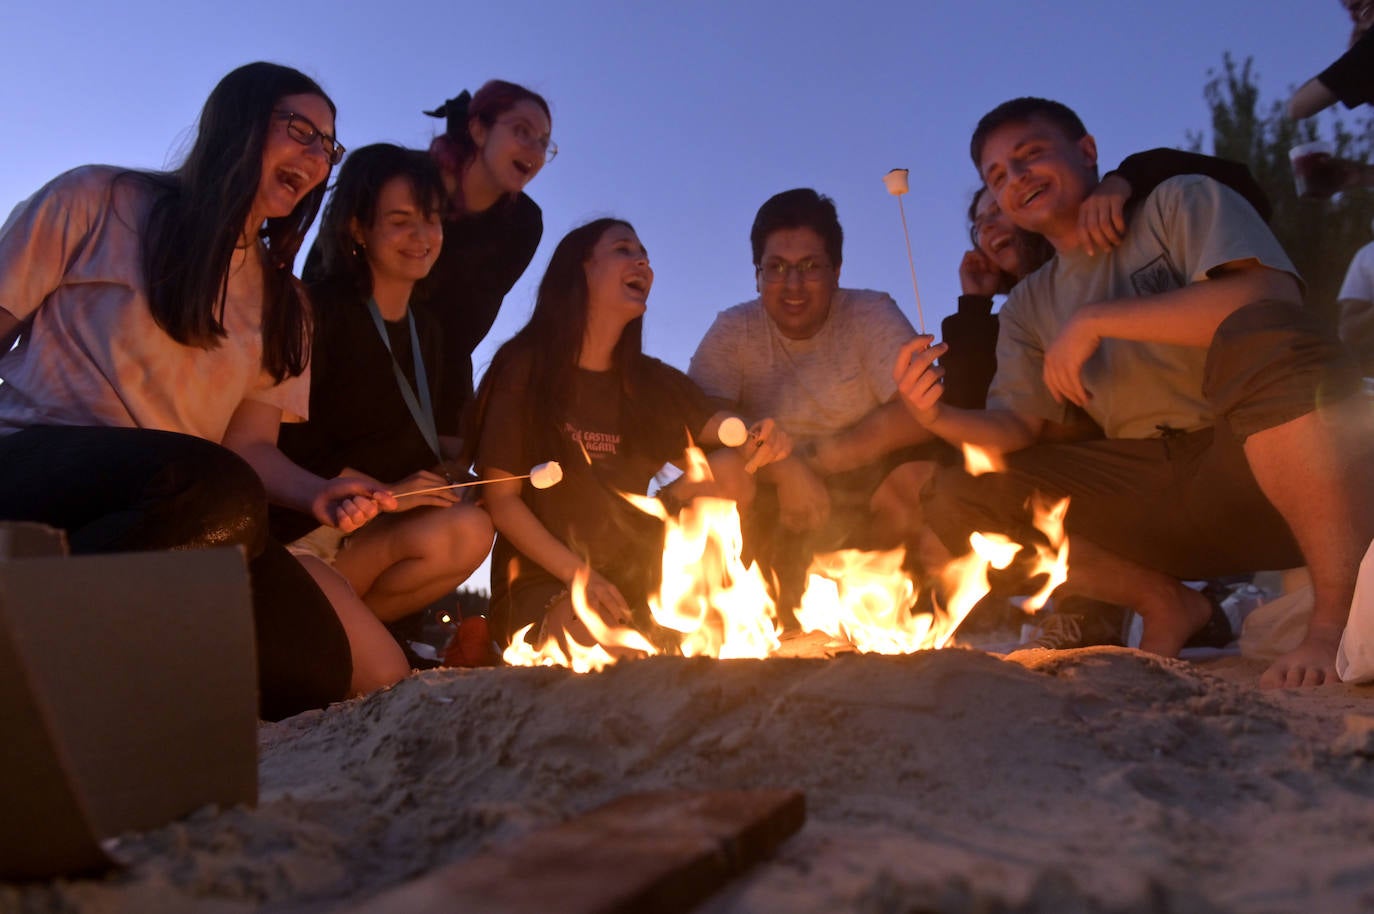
[(897, 186), (542, 476)]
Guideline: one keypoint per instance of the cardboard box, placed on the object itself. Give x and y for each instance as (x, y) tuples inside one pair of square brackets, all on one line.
[(128, 695)]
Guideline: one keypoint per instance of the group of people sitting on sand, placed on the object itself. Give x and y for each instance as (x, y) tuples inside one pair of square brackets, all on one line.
[(168, 383)]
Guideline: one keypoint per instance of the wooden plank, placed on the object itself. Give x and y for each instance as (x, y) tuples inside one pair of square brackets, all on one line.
[(663, 852)]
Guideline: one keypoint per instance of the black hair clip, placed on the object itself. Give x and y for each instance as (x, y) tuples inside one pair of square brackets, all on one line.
[(455, 113)]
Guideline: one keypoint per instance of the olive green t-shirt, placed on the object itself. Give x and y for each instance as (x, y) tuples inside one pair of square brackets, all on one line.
[(1189, 226)]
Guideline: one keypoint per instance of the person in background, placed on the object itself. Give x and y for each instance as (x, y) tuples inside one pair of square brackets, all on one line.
[(494, 144), (376, 370), (161, 337), (574, 386), (1356, 303), (1350, 80)]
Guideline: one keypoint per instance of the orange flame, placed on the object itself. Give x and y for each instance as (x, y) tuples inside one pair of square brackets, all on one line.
[(609, 642), (724, 609), (978, 461)]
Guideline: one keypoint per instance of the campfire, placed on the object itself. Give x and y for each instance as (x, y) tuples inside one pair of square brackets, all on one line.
[(724, 609)]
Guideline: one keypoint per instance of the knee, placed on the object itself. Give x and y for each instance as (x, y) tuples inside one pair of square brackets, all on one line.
[(943, 501), (470, 533), (900, 491), (1270, 362), (216, 497), (732, 481)]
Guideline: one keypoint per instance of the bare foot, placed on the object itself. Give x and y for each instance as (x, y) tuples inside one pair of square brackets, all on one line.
[(1171, 619)]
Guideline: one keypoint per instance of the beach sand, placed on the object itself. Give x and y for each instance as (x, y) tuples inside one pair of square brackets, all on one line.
[(1094, 780)]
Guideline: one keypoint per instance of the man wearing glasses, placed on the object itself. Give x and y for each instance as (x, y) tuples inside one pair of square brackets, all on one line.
[(817, 359)]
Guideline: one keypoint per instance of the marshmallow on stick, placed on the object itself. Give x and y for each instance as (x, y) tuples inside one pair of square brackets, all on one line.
[(543, 476), (897, 186), (732, 432)]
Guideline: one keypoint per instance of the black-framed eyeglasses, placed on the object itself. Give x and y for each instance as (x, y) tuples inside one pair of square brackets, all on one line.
[(773, 271), (525, 135), (303, 130)]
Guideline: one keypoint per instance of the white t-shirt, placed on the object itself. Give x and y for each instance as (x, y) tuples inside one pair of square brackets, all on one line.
[(1186, 228), (71, 270), (1359, 277), (812, 387)]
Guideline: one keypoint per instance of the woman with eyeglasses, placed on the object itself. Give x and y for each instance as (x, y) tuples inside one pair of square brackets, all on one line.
[(160, 339), (574, 386), (494, 143), (375, 369)]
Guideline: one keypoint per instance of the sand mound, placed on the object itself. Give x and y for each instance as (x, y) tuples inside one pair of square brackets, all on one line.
[(951, 781)]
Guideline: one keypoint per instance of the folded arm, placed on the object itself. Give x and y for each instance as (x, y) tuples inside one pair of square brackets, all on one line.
[(1188, 316)]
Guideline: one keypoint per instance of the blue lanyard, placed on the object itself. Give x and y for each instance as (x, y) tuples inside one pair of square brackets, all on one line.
[(422, 411)]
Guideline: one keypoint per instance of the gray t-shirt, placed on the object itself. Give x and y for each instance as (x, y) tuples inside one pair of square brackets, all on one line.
[(812, 387), (1187, 227)]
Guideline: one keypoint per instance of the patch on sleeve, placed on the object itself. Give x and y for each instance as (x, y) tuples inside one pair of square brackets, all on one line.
[(1155, 277)]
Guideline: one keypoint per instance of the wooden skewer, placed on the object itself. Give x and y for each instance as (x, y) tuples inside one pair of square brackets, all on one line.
[(459, 485), (911, 261)]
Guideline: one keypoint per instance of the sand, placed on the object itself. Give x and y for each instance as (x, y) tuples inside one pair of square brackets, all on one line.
[(1092, 780)]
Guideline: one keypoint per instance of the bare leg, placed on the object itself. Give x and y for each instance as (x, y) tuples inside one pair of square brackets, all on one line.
[(378, 660), (1171, 612), (1315, 470), (401, 563), (896, 503)]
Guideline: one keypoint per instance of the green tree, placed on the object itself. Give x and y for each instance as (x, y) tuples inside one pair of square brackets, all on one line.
[(1319, 235)]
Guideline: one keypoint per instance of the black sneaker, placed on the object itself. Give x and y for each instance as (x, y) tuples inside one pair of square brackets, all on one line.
[(1079, 623)]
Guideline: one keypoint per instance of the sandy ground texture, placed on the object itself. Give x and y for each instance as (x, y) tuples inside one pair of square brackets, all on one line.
[(1095, 780)]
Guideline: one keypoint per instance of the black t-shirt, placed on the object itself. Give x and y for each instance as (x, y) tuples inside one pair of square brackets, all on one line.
[(483, 256), (1351, 77), (584, 511), (358, 416)]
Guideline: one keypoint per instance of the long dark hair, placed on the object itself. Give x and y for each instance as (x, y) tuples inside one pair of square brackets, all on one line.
[(196, 224), (545, 351), (454, 149), (354, 196)]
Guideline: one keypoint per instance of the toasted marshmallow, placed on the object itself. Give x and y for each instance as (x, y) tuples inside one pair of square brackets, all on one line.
[(896, 181), (546, 475)]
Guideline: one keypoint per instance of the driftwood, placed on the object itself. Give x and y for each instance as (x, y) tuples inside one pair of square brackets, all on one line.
[(662, 852)]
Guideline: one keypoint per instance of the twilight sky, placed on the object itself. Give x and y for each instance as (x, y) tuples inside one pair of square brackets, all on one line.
[(681, 118)]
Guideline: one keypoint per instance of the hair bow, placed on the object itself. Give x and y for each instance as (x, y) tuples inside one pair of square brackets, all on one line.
[(455, 113)]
